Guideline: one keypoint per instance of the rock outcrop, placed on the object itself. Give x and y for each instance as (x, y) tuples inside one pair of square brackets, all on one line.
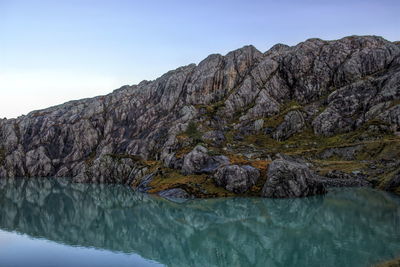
[(294, 122), (236, 178), (298, 98), (288, 178), (198, 161)]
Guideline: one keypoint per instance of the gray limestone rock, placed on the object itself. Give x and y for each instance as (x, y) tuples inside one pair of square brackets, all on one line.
[(348, 152), (199, 161), (109, 169), (340, 85), (341, 179), (216, 137), (236, 178), (288, 178), (293, 123), (392, 116)]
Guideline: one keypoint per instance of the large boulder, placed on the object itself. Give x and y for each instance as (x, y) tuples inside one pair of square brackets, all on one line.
[(237, 179), (288, 178), (330, 122), (199, 161)]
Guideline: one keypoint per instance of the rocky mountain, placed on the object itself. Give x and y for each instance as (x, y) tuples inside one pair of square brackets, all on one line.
[(213, 129)]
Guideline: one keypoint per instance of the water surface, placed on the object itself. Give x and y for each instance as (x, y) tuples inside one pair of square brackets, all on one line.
[(56, 223)]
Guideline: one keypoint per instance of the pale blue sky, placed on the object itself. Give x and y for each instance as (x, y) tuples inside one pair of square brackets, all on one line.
[(55, 51)]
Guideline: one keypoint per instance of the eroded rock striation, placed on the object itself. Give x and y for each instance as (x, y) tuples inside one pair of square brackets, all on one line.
[(242, 108)]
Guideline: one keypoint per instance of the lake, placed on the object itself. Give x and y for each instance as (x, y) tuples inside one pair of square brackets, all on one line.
[(49, 222)]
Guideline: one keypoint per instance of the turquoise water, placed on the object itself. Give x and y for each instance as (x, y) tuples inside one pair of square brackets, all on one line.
[(55, 223)]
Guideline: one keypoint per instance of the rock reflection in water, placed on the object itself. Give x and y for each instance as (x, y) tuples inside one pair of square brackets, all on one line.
[(348, 227)]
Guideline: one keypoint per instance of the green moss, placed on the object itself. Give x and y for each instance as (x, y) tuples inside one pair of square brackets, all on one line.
[(325, 166)]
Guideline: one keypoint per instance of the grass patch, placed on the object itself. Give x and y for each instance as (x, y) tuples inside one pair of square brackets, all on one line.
[(201, 186), (388, 149), (307, 143), (325, 166), (235, 159), (262, 141)]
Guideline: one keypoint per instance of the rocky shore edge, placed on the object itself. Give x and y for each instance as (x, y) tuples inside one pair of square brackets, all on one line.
[(284, 177)]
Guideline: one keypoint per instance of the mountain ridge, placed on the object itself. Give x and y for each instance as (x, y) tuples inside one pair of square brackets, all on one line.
[(225, 106)]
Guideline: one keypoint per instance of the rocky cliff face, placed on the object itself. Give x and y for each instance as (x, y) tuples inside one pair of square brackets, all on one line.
[(325, 100)]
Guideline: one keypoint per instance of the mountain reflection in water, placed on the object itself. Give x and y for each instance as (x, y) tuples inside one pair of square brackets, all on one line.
[(347, 227)]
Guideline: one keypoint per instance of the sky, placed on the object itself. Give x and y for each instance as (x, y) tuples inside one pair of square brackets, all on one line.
[(55, 51)]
